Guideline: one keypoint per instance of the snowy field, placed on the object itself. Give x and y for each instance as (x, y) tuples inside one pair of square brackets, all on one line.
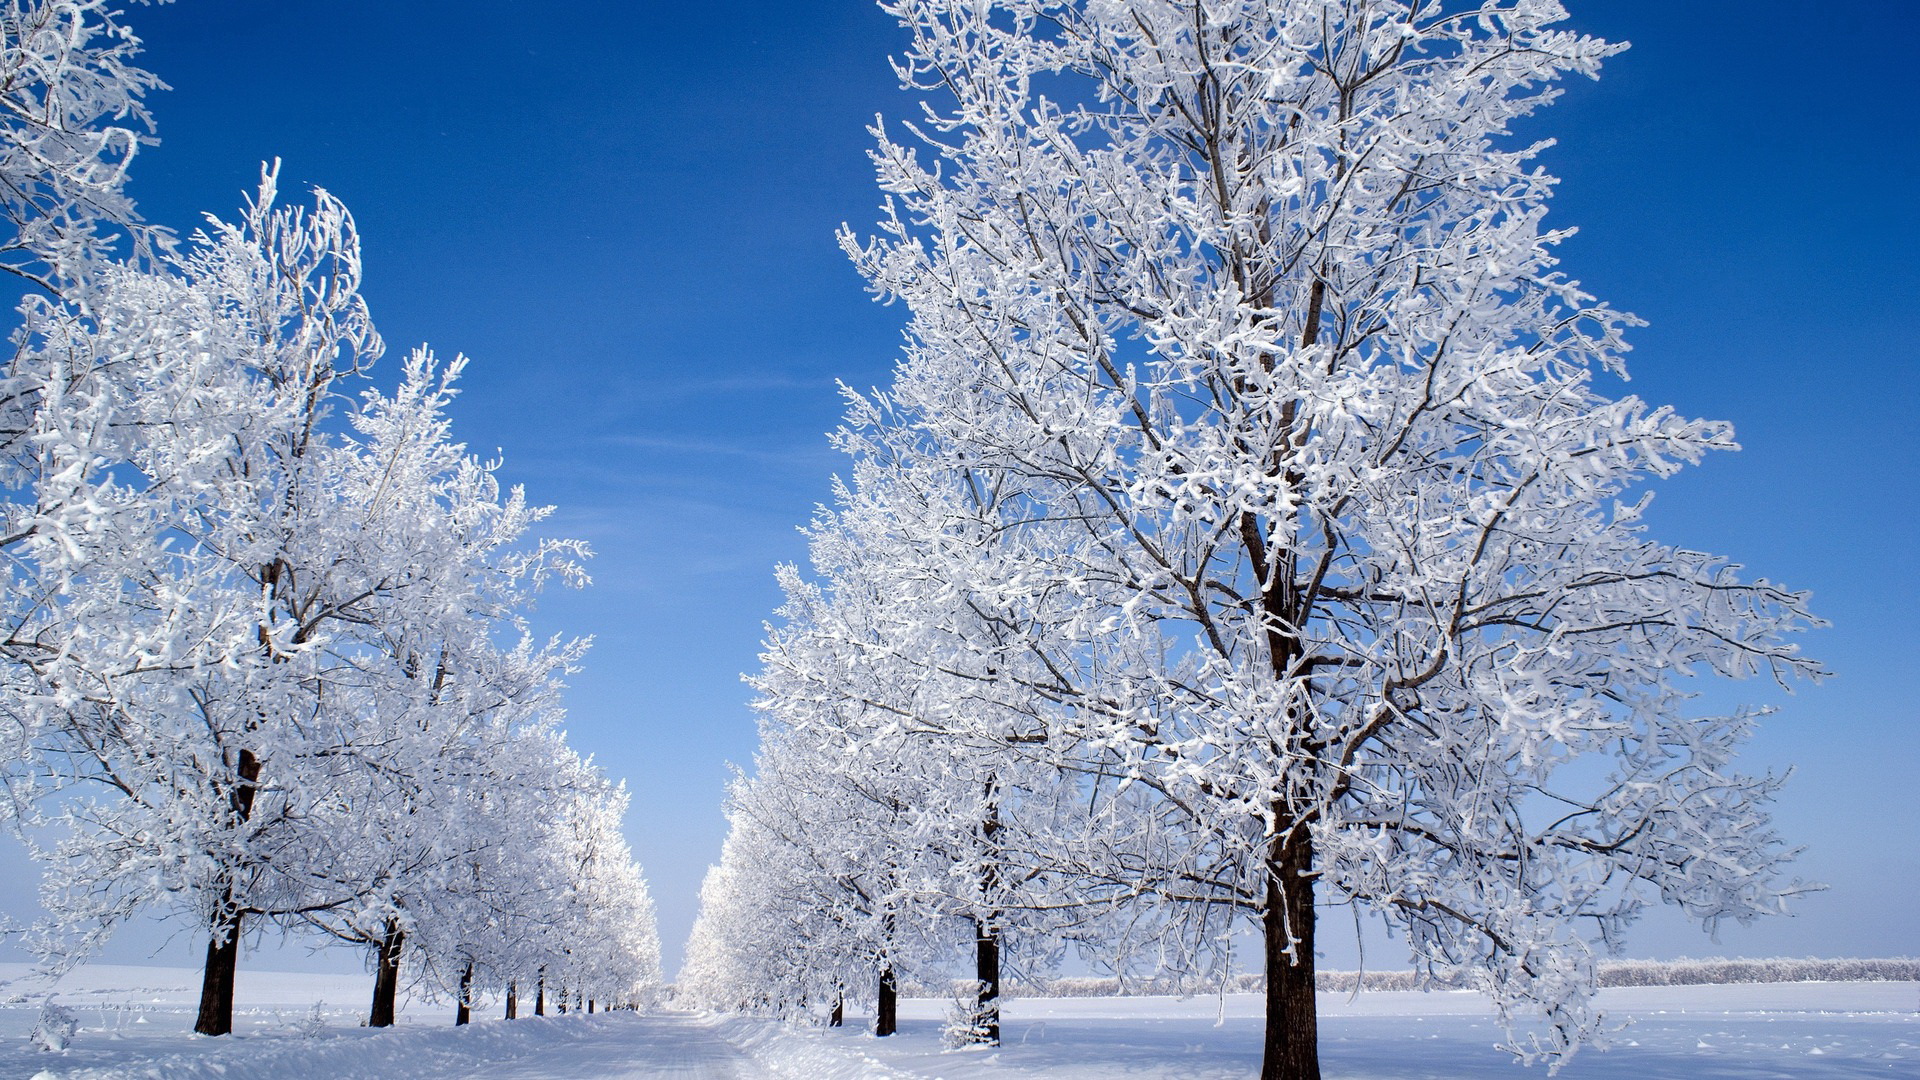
[(135, 1026)]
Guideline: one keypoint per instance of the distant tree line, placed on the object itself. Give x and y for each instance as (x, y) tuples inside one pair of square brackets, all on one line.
[(1716, 971)]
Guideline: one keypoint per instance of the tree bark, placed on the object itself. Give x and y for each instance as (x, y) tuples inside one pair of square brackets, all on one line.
[(839, 1016), (463, 1012), (886, 1012), (589, 1006), (540, 994), (1292, 1050), (1292, 1044), (386, 976), (216, 983), (986, 966), (986, 938), (513, 1002), (223, 948)]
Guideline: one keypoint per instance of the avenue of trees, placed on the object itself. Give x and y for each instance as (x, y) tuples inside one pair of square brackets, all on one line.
[(264, 658), (1245, 534)]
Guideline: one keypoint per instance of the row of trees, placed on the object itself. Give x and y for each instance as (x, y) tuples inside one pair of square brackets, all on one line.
[(264, 640), (1244, 533)]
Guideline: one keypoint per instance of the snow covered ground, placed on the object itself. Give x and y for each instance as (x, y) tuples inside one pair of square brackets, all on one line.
[(1799, 1030), (135, 1025)]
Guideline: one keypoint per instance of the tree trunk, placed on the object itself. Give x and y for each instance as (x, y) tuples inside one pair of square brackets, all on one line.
[(216, 984), (986, 966), (1292, 1046), (986, 938), (540, 994), (589, 1006), (223, 948), (886, 1012), (513, 1002), (838, 1018), (463, 1012), (386, 976)]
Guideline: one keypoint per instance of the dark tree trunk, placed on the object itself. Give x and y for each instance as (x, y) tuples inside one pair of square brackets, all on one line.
[(463, 1012), (589, 1006), (513, 1001), (986, 966), (839, 1016), (540, 994), (986, 938), (223, 947), (216, 984), (386, 976), (1292, 1050), (1292, 1047), (886, 1012)]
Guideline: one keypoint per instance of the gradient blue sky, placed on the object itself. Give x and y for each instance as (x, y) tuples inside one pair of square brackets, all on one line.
[(623, 211)]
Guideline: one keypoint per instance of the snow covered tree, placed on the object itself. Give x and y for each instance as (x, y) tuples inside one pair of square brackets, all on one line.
[(470, 934), (262, 651), (607, 944), (729, 964), (1245, 313), (819, 897), (275, 630), (72, 121), (548, 897), (898, 764), (73, 118), (251, 561), (445, 669), (840, 812)]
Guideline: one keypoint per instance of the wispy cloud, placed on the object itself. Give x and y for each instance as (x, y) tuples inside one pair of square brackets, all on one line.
[(636, 392), (814, 452)]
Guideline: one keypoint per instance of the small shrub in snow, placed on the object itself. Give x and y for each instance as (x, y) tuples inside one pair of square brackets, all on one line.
[(968, 1024), (54, 1030), (315, 1025), (124, 1013)]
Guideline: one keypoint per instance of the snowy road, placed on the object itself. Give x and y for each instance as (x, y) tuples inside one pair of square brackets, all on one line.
[(667, 1046), (618, 1046)]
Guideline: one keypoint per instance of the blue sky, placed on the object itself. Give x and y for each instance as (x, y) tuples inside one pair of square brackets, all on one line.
[(623, 211)]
